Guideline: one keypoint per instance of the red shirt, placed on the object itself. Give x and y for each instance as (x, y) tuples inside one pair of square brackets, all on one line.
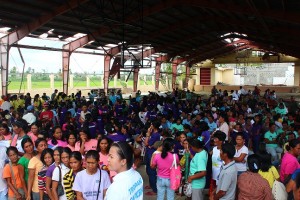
[(48, 114)]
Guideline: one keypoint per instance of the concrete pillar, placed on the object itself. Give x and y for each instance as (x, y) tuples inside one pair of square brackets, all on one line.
[(167, 81), (51, 76), (101, 79), (297, 75), (198, 76), (213, 76), (29, 85), (138, 81), (115, 81), (71, 81), (145, 80), (88, 81), (153, 80)]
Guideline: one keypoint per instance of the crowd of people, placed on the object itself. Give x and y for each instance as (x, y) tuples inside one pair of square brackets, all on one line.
[(236, 145)]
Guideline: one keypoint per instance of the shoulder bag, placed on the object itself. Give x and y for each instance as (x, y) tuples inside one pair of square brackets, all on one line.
[(20, 190), (278, 190), (175, 175), (99, 185), (60, 188)]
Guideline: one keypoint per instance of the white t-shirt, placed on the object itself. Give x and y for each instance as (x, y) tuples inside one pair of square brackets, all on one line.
[(88, 184), (30, 118), (55, 177), (241, 166), (224, 128), (126, 185), (216, 163), (3, 157)]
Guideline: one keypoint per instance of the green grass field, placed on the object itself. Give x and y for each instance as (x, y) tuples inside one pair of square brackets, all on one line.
[(15, 85)]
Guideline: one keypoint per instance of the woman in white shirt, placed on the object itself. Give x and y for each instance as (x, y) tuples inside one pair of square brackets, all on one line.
[(223, 126), (219, 138), (241, 154), (59, 172), (92, 183), (128, 183)]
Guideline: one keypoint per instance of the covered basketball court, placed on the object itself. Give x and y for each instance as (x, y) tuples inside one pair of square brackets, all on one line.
[(194, 33)]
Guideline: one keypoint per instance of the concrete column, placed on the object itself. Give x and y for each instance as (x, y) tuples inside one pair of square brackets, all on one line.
[(167, 81), (138, 81), (51, 76), (213, 76), (101, 79), (145, 80), (153, 80), (88, 81), (71, 81), (198, 76), (115, 81), (29, 85), (297, 75)]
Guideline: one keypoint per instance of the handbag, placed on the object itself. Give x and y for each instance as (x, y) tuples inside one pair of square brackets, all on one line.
[(278, 190), (187, 189), (60, 189), (175, 175)]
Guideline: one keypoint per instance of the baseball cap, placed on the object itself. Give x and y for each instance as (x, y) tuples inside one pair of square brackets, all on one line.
[(30, 107)]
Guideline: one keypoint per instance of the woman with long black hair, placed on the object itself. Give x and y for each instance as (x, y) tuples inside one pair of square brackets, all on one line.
[(163, 162)]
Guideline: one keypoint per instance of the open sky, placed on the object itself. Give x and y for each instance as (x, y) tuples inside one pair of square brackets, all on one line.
[(51, 61)]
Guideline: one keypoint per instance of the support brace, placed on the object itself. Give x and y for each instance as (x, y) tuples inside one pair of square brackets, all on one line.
[(135, 78), (4, 51), (187, 75), (157, 75)]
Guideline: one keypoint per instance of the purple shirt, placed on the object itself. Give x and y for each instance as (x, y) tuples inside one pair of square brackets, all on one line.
[(154, 138), (50, 170), (117, 137)]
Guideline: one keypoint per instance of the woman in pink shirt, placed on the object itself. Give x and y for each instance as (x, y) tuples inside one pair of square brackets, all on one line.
[(163, 162), (71, 140), (34, 132), (85, 143), (289, 161), (57, 138), (103, 149), (4, 132)]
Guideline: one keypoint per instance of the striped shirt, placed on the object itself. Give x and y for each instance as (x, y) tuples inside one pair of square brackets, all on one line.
[(42, 179), (68, 181)]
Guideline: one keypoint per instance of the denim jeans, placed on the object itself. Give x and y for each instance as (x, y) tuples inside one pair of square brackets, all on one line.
[(3, 195), (163, 185), (151, 172), (273, 151)]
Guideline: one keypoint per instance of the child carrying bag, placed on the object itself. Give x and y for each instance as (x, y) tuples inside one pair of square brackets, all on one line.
[(175, 175)]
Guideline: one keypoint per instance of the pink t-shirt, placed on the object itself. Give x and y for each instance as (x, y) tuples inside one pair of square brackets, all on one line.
[(103, 159), (89, 145), (60, 143), (164, 164), (7, 137), (32, 137), (289, 164), (72, 148)]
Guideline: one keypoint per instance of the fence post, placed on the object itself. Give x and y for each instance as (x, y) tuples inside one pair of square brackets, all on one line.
[(71, 81), (51, 76), (153, 80), (145, 80), (28, 82), (88, 81), (115, 81)]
